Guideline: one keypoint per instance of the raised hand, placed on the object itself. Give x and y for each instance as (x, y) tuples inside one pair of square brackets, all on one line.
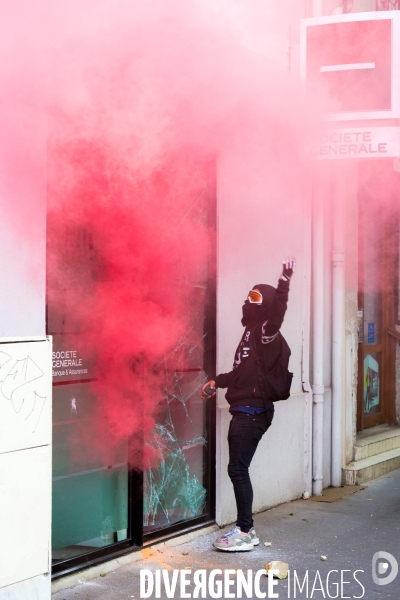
[(289, 266)]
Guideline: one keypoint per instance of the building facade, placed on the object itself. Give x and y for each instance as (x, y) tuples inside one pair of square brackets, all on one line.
[(336, 209)]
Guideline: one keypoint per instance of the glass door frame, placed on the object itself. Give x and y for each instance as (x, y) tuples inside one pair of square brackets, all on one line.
[(135, 538)]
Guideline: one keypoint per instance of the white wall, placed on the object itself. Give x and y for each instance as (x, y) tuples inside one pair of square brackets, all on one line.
[(258, 225), (25, 469), (23, 221)]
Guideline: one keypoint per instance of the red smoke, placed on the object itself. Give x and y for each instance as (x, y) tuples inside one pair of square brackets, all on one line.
[(145, 97), (124, 287), (141, 98)]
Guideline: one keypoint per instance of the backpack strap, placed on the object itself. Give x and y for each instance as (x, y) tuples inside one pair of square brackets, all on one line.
[(261, 380)]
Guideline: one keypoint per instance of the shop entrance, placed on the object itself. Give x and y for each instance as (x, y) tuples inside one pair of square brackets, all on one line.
[(378, 200), (101, 505)]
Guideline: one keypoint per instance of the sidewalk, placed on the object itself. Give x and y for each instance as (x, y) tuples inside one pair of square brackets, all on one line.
[(348, 532)]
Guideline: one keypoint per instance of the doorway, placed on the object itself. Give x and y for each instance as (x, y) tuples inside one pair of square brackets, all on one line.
[(377, 291), (102, 505)]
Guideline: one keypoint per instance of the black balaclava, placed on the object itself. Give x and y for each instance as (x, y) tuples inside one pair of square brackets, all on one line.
[(258, 313)]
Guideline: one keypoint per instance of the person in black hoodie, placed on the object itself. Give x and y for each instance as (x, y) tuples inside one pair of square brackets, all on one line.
[(252, 414)]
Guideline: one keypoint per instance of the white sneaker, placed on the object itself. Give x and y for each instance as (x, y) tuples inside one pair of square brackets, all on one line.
[(234, 541), (254, 539)]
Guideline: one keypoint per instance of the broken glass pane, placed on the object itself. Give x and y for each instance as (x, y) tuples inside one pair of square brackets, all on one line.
[(175, 488)]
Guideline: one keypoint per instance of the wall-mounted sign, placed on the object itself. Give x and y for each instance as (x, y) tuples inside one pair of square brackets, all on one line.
[(351, 62), (356, 142), (69, 363)]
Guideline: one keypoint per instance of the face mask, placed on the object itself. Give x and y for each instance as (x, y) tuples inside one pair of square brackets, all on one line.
[(255, 312), (250, 313)]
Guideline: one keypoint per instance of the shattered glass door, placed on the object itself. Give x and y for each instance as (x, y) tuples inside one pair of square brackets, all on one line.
[(177, 485), (175, 490), (98, 507)]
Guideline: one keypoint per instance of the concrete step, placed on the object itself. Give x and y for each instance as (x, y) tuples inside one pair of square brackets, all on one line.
[(366, 469), (376, 440)]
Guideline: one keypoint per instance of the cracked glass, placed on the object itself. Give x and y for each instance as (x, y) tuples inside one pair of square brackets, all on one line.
[(176, 488), (91, 504)]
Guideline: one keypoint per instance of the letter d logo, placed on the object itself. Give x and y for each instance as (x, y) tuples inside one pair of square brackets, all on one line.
[(381, 568)]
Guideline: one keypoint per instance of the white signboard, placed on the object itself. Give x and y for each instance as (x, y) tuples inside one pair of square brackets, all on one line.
[(357, 142)]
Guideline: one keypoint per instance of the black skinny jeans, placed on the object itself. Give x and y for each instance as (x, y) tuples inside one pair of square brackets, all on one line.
[(245, 431)]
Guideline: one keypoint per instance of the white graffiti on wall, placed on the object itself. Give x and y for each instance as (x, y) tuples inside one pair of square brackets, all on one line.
[(18, 385)]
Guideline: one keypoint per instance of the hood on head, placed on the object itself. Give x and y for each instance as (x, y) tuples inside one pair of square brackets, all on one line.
[(258, 313)]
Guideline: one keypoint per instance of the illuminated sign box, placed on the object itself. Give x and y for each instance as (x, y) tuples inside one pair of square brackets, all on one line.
[(353, 62)]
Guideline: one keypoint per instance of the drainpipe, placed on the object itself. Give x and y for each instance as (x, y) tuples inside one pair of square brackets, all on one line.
[(319, 192), (337, 326), (306, 339)]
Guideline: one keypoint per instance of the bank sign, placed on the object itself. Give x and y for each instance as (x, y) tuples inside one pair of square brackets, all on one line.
[(351, 63), (355, 142)]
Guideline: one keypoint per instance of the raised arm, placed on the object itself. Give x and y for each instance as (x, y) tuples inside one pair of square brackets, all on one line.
[(278, 309)]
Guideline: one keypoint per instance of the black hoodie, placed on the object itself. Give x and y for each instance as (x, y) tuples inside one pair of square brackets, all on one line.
[(263, 321)]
